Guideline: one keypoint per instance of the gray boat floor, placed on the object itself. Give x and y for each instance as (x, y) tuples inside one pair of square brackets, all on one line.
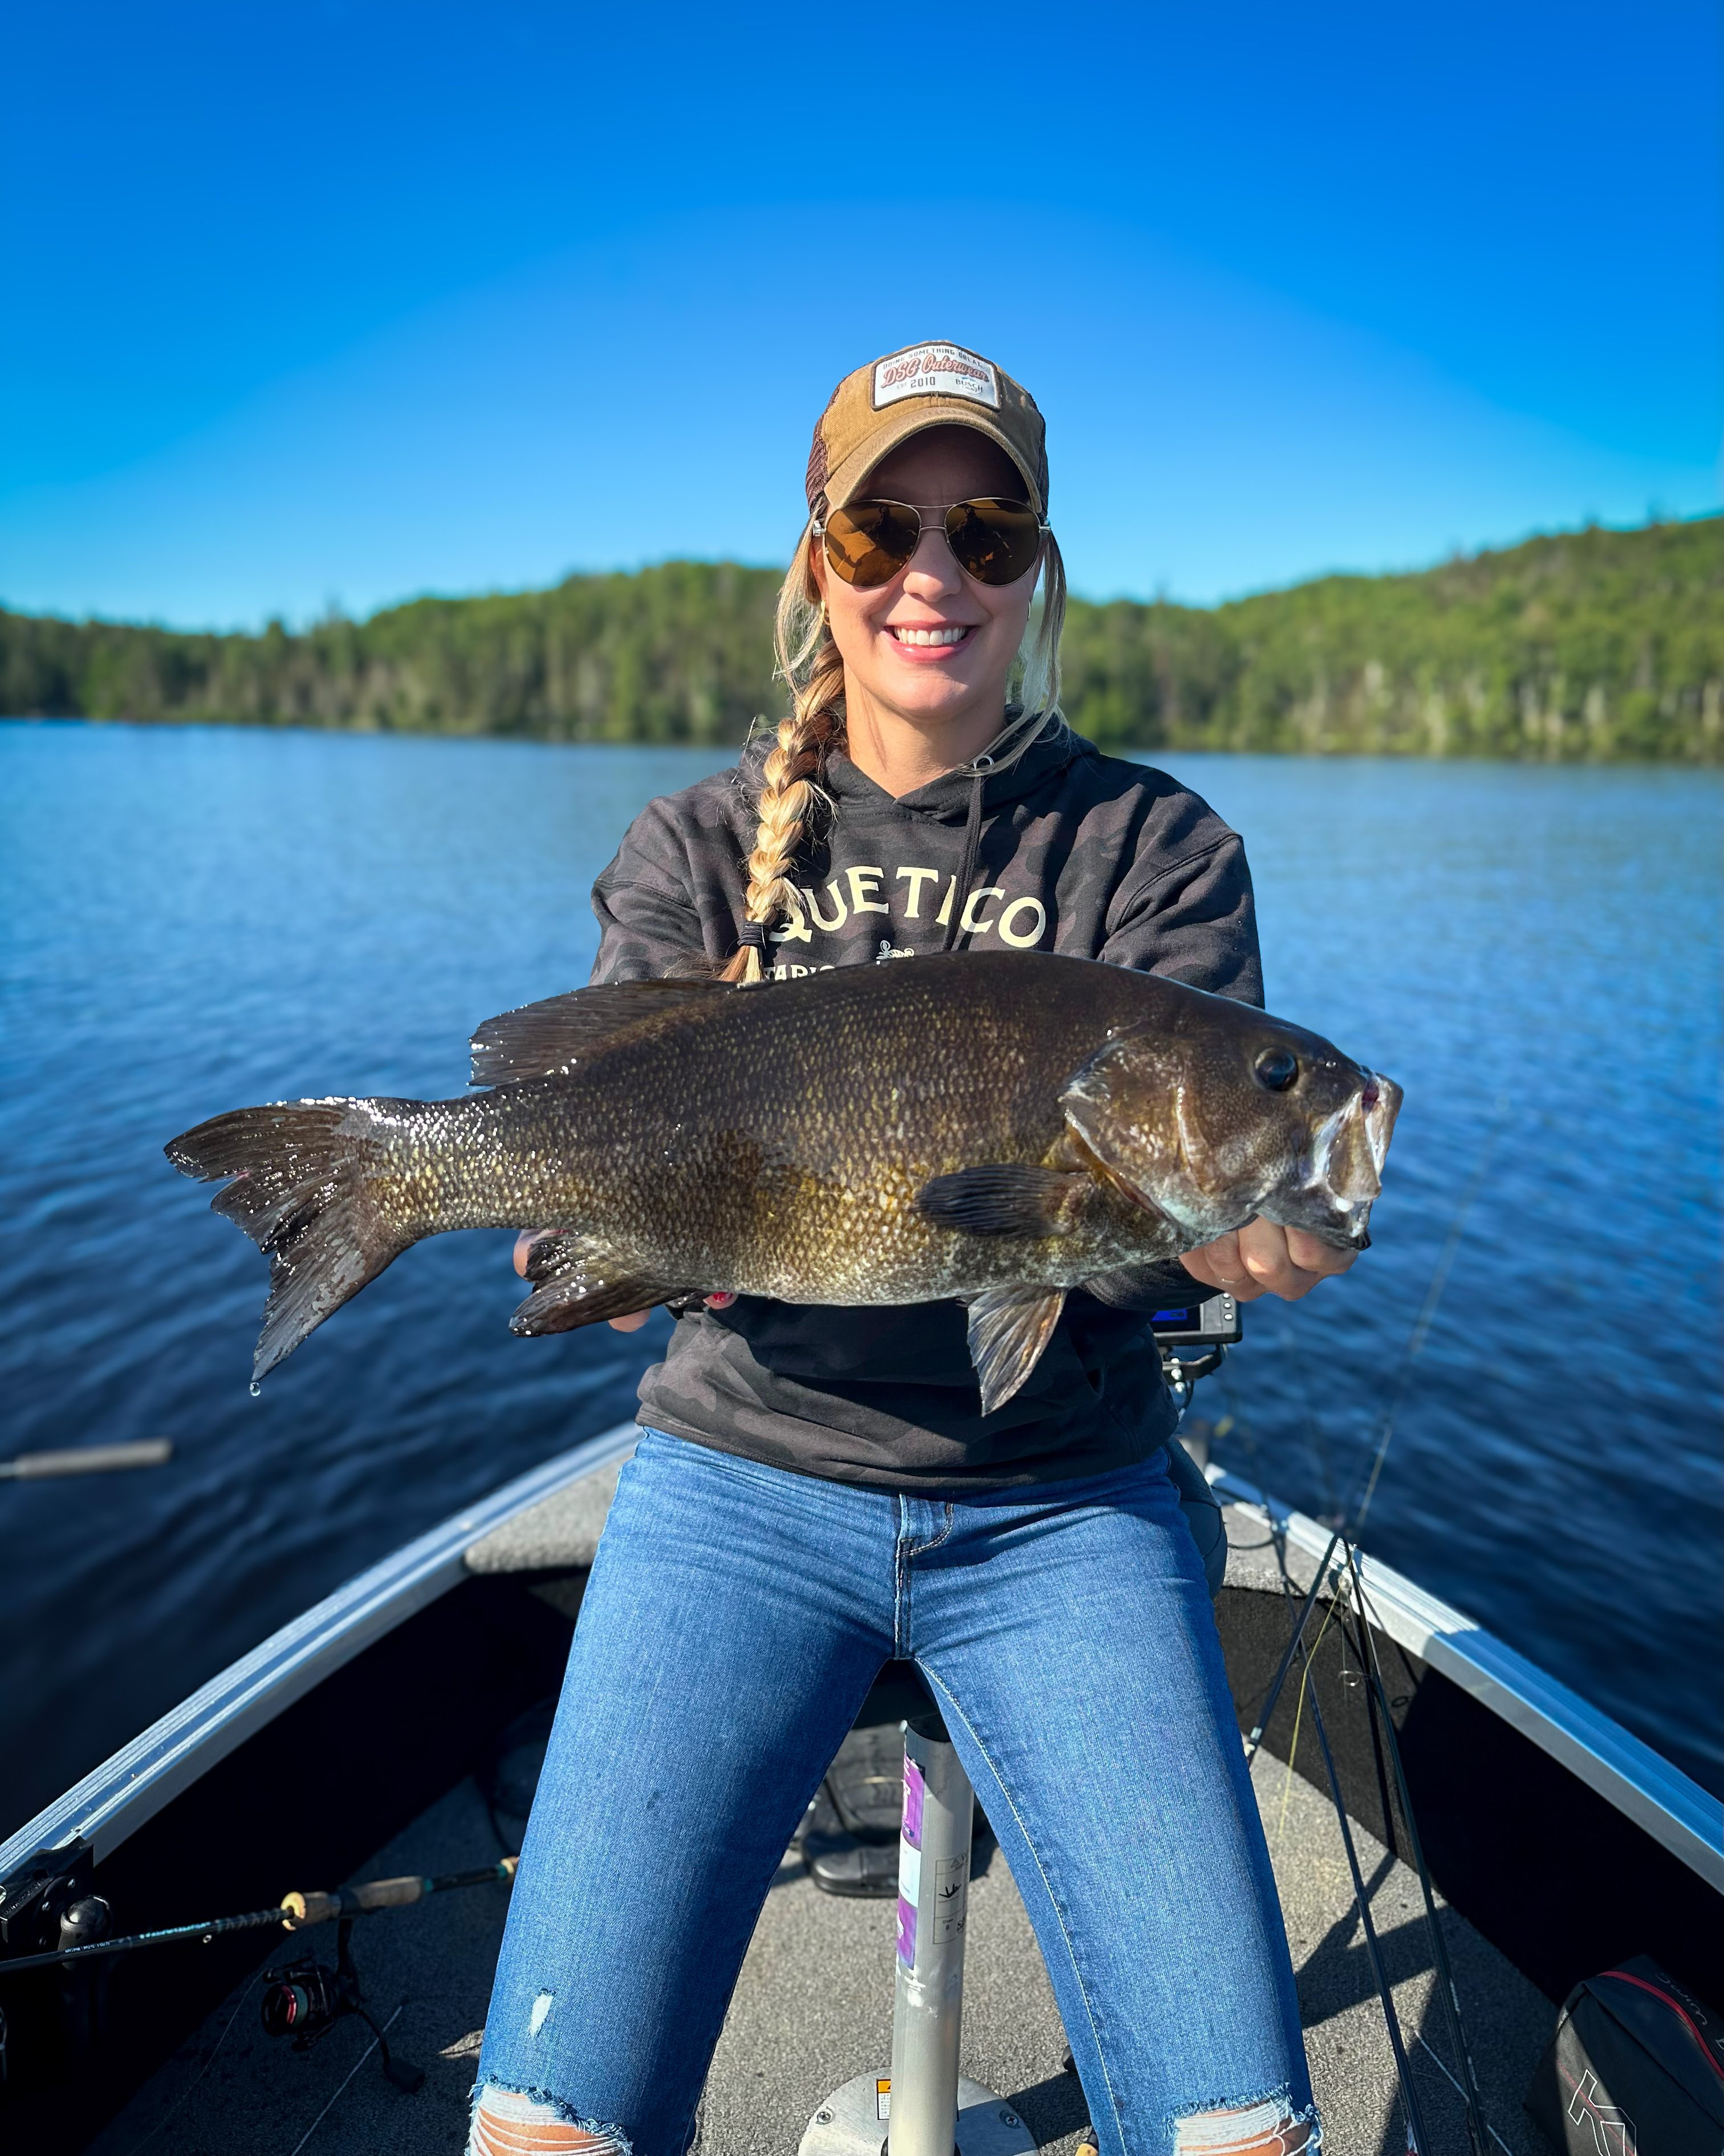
[(813, 2008)]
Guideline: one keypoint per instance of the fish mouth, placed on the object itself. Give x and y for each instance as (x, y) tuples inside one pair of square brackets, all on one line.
[(1340, 1174)]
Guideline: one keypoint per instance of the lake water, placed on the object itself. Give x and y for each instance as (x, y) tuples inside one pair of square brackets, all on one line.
[(192, 919)]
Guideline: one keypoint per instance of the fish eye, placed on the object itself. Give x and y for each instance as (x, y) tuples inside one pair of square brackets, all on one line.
[(1276, 1069)]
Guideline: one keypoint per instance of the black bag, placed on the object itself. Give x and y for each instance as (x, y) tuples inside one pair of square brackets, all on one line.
[(1636, 2068)]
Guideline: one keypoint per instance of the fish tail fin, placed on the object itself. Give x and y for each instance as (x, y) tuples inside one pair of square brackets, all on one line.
[(301, 1188)]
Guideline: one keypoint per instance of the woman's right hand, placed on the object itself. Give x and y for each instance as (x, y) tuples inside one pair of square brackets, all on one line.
[(636, 1318)]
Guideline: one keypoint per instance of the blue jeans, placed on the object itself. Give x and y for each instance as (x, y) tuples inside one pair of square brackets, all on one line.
[(735, 1618)]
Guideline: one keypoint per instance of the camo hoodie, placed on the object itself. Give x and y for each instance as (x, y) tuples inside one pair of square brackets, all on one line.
[(1069, 850)]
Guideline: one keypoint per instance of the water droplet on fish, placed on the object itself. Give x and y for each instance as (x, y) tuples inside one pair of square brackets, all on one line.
[(257, 1390)]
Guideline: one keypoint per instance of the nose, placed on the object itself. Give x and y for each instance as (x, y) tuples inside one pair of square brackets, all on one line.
[(932, 571)]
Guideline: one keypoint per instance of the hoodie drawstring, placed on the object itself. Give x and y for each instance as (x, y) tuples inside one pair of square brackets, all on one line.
[(972, 844)]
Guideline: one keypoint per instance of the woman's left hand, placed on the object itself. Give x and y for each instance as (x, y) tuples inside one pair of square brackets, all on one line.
[(1261, 1259)]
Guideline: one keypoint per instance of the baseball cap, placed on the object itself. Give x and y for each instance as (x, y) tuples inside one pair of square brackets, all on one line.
[(923, 385)]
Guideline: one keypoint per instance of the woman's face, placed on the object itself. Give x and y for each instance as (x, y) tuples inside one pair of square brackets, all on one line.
[(933, 648)]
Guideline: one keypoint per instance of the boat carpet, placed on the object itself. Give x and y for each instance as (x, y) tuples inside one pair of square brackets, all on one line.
[(814, 2007)]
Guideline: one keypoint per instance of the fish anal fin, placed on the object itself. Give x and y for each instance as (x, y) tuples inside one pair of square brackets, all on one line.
[(542, 1039), (556, 1252), (1003, 1198), (1009, 1327), (576, 1282)]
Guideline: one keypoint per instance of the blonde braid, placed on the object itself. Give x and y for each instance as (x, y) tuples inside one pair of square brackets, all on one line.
[(809, 663)]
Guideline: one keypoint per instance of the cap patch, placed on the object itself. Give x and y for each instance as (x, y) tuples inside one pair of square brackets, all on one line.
[(936, 370)]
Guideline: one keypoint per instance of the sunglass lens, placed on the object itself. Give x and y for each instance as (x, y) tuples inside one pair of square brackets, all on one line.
[(868, 542), (995, 541)]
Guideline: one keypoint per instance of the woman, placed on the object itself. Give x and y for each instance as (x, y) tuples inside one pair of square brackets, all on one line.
[(816, 1490)]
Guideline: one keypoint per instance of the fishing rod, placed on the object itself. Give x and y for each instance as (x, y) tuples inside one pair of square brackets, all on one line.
[(294, 1913), (1422, 1323), (87, 1460), (1417, 2142), (1378, 1698), (1296, 1645)]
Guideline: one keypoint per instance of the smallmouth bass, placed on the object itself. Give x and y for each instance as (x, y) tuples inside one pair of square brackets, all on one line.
[(991, 1127)]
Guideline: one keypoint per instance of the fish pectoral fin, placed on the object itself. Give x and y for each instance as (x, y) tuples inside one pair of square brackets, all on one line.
[(1009, 1327), (540, 1040), (1004, 1200), (576, 1284)]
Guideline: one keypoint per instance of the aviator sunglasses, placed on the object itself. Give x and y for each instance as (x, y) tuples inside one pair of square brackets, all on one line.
[(994, 541)]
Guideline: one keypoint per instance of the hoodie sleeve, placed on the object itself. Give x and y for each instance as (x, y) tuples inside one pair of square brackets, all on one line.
[(649, 922), (1193, 919)]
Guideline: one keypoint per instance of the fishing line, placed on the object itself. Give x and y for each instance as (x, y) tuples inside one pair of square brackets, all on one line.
[(1296, 1647), (1254, 1742), (1417, 2142), (1421, 1328), (185, 2097), (1415, 1344), (1378, 1694), (1436, 2059), (1235, 1423), (1427, 1309), (377, 2036), (1314, 1438), (1298, 1716)]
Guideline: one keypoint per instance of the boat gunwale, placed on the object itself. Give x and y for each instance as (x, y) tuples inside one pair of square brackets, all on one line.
[(1650, 1790), (129, 1788)]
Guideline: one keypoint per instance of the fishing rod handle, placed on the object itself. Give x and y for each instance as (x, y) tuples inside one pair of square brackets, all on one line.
[(302, 1911)]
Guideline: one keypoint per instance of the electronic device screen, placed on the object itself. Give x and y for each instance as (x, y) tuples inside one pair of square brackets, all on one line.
[(1209, 1318)]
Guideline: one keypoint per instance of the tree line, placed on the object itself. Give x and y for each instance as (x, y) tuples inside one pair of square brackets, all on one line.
[(1590, 645)]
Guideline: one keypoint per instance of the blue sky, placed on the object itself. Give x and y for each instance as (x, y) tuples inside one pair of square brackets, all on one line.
[(333, 304)]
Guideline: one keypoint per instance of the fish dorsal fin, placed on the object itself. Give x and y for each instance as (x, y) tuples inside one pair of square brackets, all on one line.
[(1009, 1327), (540, 1040)]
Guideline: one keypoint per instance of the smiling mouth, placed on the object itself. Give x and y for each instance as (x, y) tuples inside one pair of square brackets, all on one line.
[(924, 637)]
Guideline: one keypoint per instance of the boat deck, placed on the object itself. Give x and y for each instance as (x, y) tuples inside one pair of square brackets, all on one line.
[(814, 2007)]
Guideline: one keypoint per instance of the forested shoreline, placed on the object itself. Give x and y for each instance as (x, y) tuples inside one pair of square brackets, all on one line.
[(1589, 645)]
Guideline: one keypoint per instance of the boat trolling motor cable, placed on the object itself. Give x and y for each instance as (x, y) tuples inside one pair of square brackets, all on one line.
[(294, 1913)]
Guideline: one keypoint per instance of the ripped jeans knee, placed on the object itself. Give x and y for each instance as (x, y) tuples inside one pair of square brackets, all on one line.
[(529, 2122), (1272, 2127)]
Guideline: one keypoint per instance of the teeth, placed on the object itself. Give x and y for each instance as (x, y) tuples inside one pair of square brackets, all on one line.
[(930, 635)]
